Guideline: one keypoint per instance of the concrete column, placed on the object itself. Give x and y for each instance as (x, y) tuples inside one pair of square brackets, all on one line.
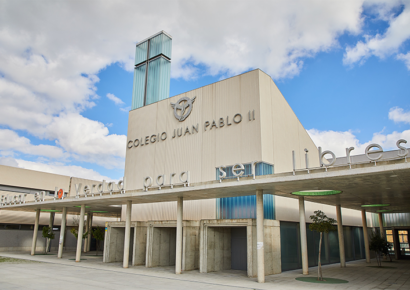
[(303, 238), (50, 225), (341, 237), (396, 243), (62, 233), (36, 222), (381, 225), (260, 236), (180, 215), (127, 234), (80, 234), (365, 236), (87, 225), (90, 228)]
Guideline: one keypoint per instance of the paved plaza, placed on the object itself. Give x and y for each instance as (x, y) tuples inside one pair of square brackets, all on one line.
[(48, 272)]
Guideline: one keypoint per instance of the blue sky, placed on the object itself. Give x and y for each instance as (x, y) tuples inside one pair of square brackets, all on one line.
[(66, 87)]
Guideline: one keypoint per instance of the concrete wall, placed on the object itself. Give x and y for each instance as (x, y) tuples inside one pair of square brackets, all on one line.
[(190, 246), (139, 244), (215, 243), (219, 249), (161, 244), (199, 152), (114, 242), (271, 137), (281, 130), (20, 177), (193, 210), (21, 240), (273, 262), (162, 248)]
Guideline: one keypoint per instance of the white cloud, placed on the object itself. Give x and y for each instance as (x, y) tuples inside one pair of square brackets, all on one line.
[(397, 33), (398, 115), (10, 140), (405, 58), (87, 140), (60, 49), (9, 161), (115, 99), (338, 141), (80, 137)]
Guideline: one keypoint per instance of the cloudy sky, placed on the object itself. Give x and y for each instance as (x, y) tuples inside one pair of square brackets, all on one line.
[(66, 70)]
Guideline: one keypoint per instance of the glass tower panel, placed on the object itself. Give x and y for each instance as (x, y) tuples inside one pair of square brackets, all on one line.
[(152, 75), (139, 87), (160, 44), (159, 71), (141, 52)]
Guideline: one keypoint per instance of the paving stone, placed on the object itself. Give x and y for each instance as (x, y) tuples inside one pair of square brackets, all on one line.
[(53, 273)]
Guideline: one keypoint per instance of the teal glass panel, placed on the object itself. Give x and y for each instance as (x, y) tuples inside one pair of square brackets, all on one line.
[(159, 72), (241, 207), (290, 246), (291, 251), (358, 243), (141, 52), (329, 248), (348, 241), (160, 44), (138, 87), (333, 243)]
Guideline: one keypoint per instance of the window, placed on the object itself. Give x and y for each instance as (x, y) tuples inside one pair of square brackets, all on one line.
[(389, 236), (404, 243)]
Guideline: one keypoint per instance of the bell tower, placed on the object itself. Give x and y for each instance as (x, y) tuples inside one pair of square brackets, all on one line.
[(152, 73)]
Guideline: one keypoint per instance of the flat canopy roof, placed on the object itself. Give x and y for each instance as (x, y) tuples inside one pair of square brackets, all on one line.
[(386, 182)]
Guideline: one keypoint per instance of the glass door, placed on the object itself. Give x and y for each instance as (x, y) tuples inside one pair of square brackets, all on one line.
[(389, 238), (404, 243)]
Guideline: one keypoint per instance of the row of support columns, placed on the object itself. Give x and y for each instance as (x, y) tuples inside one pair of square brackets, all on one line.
[(87, 242), (178, 259), (303, 238), (179, 242)]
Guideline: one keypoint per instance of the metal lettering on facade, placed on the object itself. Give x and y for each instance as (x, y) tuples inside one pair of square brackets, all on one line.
[(86, 191), (219, 123), (160, 180)]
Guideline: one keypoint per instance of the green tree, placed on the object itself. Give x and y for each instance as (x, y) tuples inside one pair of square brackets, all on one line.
[(99, 236), (380, 246), (48, 234), (74, 231), (321, 224)]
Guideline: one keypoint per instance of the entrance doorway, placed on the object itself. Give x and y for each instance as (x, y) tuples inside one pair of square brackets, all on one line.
[(239, 248)]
